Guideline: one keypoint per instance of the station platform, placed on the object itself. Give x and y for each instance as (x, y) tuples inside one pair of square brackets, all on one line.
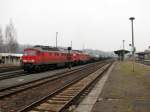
[(123, 90)]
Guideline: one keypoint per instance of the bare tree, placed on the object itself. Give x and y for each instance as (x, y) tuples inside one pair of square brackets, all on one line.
[(1, 40), (10, 38)]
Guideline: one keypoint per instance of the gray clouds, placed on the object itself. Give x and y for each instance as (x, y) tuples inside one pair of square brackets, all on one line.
[(98, 24)]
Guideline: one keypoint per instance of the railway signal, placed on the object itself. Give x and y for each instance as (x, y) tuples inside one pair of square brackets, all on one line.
[(69, 57)]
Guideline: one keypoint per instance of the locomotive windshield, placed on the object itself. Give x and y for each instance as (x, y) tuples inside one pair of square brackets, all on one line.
[(30, 53)]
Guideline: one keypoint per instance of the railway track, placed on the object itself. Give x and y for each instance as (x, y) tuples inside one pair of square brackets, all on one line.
[(61, 99), (18, 73), (9, 68), (4, 92), (53, 85), (12, 74)]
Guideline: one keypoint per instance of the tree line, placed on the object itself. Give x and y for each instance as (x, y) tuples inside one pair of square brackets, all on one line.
[(8, 39)]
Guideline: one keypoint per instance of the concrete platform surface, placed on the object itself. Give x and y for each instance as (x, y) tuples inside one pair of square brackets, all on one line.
[(125, 90), (88, 102)]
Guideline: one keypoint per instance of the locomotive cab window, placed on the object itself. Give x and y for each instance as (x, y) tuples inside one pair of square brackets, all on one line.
[(30, 53), (56, 54)]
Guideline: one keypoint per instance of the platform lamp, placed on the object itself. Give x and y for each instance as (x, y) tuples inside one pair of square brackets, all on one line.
[(133, 48)]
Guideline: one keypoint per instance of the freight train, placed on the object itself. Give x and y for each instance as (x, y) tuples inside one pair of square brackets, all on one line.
[(39, 58)]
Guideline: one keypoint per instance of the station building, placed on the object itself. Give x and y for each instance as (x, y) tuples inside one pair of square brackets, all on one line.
[(144, 55), (10, 58)]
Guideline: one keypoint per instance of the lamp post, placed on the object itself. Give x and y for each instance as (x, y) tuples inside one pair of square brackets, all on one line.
[(56, 38), (133, 48)]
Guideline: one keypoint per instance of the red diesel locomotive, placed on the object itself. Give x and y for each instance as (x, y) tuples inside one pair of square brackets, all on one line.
[(43, 57)]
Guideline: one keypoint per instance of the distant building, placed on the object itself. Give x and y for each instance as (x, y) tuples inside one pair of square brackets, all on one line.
[(145, 55), (10, 58), (141, 56)]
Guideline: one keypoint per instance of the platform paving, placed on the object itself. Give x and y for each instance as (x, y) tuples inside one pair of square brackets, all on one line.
[(87, 104), (125, 90)]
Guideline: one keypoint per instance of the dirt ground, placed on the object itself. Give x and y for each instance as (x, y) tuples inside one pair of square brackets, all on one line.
[(8, 65), (125, 90)]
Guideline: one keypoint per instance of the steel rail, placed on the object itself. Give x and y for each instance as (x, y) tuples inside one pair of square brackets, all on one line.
[(12, 68), (59, 91), (12, 74), (5, 92)]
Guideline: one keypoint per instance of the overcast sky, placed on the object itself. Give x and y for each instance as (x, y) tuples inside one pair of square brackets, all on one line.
[(95, 24)]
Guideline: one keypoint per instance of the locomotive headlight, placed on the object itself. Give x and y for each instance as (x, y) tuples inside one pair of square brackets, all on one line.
[(24, 60), (32, 60)]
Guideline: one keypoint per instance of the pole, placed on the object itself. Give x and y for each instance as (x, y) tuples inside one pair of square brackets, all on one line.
[(69, 57), (123, 48), (133, 48), (71, 44), (83, 47), (123, 44), (132, 39), (56, 38)]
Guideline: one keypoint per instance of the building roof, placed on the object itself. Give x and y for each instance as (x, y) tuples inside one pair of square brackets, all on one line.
[(121, 51), (48, 48), (11, 54), (143, 53)]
